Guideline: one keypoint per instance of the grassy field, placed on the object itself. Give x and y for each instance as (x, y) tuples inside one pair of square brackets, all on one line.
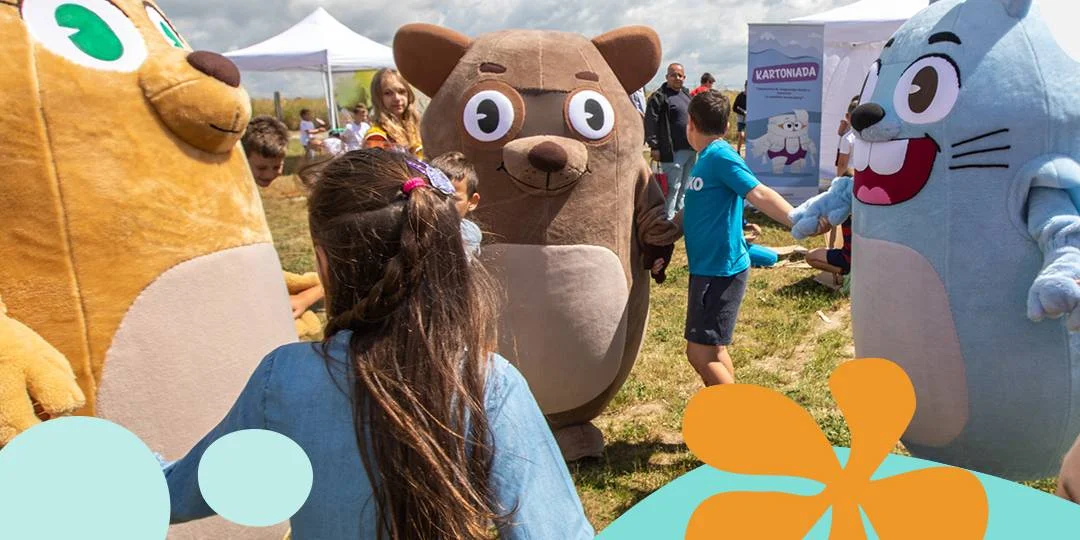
[(291, 108), (781, 343)]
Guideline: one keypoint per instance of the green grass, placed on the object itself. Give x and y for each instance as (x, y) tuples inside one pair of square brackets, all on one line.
[(780, 343)]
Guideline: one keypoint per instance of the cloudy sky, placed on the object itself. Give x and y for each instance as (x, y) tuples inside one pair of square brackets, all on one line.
[(704, 35)]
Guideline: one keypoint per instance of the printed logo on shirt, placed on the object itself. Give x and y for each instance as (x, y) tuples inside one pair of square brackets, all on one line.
[(696, 184)]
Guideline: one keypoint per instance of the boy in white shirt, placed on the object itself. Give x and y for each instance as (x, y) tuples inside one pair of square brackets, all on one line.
[(355, 130), (847, 140), (307, 129)]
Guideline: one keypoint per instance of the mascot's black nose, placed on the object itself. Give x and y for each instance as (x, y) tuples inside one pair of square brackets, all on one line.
[(216, 66), (548, 157), (866, 115)]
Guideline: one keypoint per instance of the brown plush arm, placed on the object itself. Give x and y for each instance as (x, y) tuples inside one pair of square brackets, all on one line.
[(31, 371), (653, 227), (655, 232)]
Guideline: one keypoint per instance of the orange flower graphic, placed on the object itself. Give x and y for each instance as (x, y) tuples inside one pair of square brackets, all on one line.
[(747, 429)]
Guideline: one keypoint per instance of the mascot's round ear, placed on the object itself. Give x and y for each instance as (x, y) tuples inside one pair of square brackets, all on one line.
[(633, 52), (425, 55)]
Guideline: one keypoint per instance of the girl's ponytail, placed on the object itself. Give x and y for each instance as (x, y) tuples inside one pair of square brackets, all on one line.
[(422, 320)]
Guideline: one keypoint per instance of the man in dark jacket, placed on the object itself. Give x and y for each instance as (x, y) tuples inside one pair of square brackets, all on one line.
[(665, 132), (740, 116)]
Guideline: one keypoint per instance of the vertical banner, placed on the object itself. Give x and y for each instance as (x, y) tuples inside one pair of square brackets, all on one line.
[(783, 107)]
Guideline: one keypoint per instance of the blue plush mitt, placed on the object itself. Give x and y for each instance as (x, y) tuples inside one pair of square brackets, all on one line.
[(833, 205)]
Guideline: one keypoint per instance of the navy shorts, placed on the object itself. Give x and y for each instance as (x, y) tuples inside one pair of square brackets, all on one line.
[(713, 306), (742, 126), (835, 257)]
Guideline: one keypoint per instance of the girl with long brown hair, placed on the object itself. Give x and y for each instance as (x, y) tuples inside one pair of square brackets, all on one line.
[(395, 122), (414, 428)]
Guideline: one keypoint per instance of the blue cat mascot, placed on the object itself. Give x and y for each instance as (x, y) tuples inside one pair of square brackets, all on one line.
[(966, 235)]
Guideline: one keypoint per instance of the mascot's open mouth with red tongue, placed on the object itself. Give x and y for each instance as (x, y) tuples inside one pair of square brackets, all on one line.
[(891, 172)]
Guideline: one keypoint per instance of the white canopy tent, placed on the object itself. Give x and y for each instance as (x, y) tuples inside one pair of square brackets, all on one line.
[(318, 43), (854, 37)]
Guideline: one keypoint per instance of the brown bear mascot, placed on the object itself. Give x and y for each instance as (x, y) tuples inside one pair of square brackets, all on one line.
[(573, 216)]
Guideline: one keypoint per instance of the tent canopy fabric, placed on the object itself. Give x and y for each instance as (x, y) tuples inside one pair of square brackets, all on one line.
[(854, 36), (310, 45), (865, 20)]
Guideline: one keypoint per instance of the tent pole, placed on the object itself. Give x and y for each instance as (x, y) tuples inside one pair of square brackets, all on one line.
[(326, 93), (330, 92)]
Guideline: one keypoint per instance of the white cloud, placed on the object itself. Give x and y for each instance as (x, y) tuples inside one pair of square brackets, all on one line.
[(703, 35)]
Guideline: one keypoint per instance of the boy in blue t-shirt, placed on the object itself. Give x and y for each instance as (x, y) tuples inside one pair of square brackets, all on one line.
[(712, 222)]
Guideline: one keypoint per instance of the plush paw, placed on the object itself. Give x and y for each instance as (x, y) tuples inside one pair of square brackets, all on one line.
[(1055, 294), (308, 327), (804, 223), (298, 283), (652, 254), (32, 372), (833, 206)]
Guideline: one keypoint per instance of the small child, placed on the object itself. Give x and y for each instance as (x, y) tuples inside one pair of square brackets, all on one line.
[(265, 143), (832, 260), (307, 130), (847, 141), (712, 223), (463, 176)]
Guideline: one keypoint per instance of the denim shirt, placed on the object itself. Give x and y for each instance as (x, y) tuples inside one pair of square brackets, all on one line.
[(293, 393)]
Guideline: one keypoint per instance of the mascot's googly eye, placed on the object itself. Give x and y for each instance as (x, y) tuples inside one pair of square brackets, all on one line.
[(870, 84), (591, 115), (162, 25), (927, 91), (489, 116), (91, 33)]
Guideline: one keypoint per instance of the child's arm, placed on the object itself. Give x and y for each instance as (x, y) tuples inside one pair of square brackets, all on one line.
[(769, 201), (300, 302)]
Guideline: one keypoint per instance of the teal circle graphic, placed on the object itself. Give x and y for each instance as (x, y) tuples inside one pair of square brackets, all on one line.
[(81, 477), (255, 477)]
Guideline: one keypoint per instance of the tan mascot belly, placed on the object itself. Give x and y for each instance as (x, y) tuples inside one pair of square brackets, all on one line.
[(566, 197), (136, 265)]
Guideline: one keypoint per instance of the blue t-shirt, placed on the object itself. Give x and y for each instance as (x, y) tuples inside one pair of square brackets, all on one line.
[(472, 237), (713, 212)]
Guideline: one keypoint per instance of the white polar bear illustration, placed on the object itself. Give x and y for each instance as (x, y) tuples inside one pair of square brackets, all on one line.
[(787, 142)]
